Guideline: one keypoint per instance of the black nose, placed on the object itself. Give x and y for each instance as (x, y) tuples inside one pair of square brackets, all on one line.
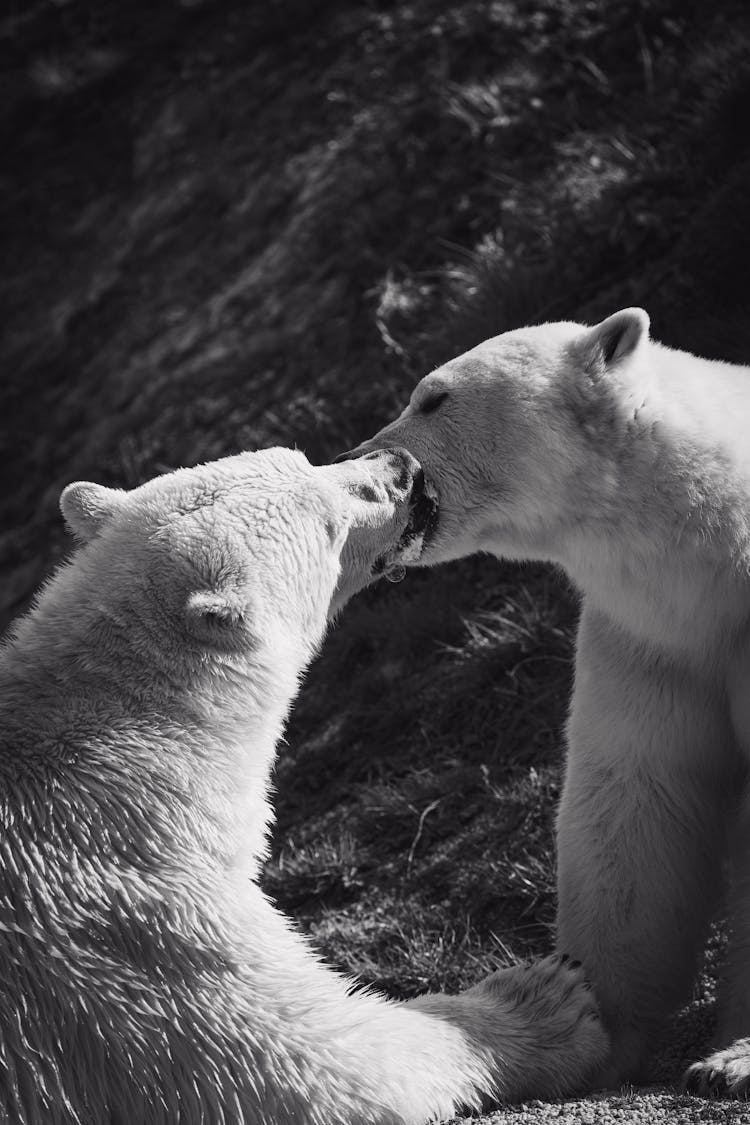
[(406, 469)]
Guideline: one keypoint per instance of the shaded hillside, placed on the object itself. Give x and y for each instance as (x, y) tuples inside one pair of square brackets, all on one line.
[(227, 228)]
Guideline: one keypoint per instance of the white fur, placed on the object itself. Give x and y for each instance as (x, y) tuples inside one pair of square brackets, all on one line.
[(628, 464), (146, 979)]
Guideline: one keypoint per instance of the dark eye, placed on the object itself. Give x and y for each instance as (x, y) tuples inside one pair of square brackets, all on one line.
[(430, 404)]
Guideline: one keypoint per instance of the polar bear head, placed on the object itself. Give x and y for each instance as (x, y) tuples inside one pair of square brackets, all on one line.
[(521, 434), (230, 554)]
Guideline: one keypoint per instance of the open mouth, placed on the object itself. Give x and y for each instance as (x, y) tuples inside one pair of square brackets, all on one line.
[(423, 517)]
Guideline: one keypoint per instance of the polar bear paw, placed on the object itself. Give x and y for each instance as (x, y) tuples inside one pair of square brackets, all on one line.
[(558, 1040), (724, 1074)]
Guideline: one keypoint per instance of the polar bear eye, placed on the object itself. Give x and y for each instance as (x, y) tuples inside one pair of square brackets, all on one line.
[(430, 404)]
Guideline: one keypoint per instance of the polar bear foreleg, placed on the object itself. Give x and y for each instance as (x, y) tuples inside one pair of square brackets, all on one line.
[(329, 1056), (726, 1071), (734, 996), (640, 833)]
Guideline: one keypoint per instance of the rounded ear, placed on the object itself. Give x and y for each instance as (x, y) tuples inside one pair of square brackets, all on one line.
[(616, 338), (214, 616), (87, 508)]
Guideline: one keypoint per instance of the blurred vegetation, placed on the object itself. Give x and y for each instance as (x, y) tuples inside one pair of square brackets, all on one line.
[(230, 225)]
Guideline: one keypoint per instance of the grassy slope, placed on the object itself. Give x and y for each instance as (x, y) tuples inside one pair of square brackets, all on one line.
[(228, 231)]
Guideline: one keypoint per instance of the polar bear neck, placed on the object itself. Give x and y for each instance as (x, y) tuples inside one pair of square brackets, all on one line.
[(658, 534), (184, 747)]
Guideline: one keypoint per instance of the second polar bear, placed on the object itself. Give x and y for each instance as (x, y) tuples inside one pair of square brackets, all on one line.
[(628, 463), (146, 979)]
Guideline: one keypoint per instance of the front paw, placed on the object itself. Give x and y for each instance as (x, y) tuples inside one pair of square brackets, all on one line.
[(724, 1074), (558, 1038)]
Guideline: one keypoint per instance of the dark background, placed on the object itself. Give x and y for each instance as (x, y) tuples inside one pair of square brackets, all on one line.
[(233, 225)]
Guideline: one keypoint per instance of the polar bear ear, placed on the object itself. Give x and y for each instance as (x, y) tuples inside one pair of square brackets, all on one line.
[(87, 508), (616, 338), (215, 616)]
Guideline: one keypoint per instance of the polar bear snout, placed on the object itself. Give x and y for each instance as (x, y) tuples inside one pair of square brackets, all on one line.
[(410, 482), (385, 536), (395, 469)]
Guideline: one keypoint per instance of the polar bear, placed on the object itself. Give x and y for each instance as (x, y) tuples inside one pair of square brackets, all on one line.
[(628, 464), (145, 976)]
